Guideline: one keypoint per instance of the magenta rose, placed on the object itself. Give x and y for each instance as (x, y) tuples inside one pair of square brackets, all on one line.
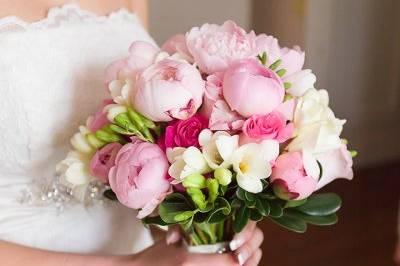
[(252, 89), (270, 126), (139, 176), (185, 133), (103, 160), (100, 119), (294, 176)]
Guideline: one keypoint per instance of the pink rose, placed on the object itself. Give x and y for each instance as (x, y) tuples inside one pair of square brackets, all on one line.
[(169, 89), (290, 179), (177, 44), (292, 59), (250, 88), (335, 164), (215, 47), (141, 55), (103, 160), (139, 176), (270, 126), (185, 133), (221, 117), (100, 119)]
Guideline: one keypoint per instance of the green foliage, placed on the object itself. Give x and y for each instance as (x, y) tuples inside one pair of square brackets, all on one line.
[(321, 204)]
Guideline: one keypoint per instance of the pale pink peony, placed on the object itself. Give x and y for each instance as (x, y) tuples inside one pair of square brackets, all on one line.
[(139, 176), (270, 126), (290, 179), (169, 89), (215, 47), (177, 44), (221, 117), (250, 88), (103, 160), (141, 55), (335, 164), (100, 119), (292, 59)]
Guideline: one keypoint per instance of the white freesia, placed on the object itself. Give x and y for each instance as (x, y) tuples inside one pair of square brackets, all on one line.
[(121, 91), (218, 147), (113, 110), (74, 169), (317, 128), (251, 162), (80, 143), (300, 82), (185, 161)]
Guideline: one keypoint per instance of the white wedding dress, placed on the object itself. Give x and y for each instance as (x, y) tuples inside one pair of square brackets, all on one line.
[(51, 75)]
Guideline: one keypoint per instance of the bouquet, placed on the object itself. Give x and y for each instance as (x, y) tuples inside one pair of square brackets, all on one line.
[(216, 128)]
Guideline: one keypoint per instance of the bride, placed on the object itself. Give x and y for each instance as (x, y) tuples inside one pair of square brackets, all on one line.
[(51, 69)]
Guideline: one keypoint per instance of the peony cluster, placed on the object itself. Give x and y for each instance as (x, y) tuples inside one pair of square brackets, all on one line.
[(216, 102)]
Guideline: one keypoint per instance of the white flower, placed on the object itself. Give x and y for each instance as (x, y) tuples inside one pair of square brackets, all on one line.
[(74, 169), (80, 143), (218, 147), (251, 162), (185, 161), (317, 128), (121, 91), (115, 109), (300, 82)]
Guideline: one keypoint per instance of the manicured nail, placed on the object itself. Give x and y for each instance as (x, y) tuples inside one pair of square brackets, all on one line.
[(242, 257), (172, 237), (235, 244)]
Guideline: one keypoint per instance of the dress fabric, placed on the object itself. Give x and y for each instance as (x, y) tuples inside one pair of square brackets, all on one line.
[(51, 80)]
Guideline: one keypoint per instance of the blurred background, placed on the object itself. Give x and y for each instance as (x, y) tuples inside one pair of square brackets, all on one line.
[(353, 46)]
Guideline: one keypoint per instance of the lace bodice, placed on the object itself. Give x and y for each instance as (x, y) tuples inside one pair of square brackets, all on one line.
[(51, 75)]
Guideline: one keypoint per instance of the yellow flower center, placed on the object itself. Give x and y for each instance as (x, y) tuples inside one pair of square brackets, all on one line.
[(243, 167)]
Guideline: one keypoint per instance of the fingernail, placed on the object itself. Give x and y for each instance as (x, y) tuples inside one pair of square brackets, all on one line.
[(242, 257), (172, 237), (235, 244)]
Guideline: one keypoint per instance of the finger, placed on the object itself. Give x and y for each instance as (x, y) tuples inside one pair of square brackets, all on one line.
[(227, 259), (397, 254), (255, 259), (173, 235), (247, 249), (242, 237)]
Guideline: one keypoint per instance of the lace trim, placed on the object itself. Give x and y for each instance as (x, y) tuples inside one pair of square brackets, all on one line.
[(66, 14)]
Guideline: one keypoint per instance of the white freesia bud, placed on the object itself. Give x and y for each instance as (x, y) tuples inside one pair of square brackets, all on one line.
[(79, 141), (74, 169), (223, 176), (251, 162), (121, 91), (115, 109), (186, 162), (218, 147), (300, 82)]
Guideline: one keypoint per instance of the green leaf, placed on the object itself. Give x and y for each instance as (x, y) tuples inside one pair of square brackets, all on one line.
[(136, 118), (221, 210), (292, 223), (173, 205), (106, 136), (321, 204), (295, 203), (255, 215), (287, 85), (281, 72), (120, 130), (262, 206), (315, 220), (154, 220), (249, 196), (183, 216), (275, 209), (240, 193), (275, 64), (263, 58), (240, 219)]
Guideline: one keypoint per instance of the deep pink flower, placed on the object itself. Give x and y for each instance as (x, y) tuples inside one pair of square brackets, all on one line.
[(100, 119), (103, 160)]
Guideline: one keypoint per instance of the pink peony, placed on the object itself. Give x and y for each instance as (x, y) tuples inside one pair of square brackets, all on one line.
[(215, 107), (169, 89), (103, 160), (139, 176), (250, 88), (100, 119), (215, 47), (185, 133), (141, 55), (292, 59), (335, 164), (290, 179), (177, 44), (270, 126)]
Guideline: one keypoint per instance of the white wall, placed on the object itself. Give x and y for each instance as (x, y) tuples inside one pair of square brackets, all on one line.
[(168, 17)]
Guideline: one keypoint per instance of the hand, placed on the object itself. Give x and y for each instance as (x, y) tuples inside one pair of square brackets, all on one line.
[(246, 244), (163, 254), (397, 254)]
